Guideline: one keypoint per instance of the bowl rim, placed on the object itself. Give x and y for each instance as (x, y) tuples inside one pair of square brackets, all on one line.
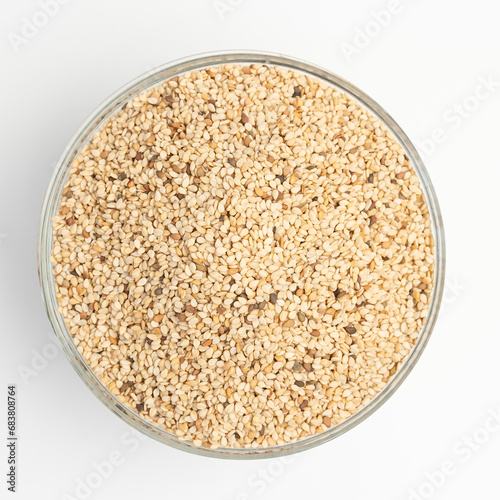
[(95, 121)]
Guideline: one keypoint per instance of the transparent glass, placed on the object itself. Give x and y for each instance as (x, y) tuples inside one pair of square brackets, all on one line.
[(50, 205)]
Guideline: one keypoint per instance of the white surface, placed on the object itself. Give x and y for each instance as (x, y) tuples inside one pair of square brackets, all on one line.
[(430, 57)]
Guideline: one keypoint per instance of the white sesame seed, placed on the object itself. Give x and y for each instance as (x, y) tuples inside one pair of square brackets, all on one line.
[(243, 255)]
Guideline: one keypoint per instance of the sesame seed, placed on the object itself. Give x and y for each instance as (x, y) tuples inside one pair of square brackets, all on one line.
[(243, 255)]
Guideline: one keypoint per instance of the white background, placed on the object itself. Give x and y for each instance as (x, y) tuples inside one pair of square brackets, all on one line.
[(422, 66)]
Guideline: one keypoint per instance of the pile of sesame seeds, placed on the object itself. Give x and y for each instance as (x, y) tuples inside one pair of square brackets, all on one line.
[(243, 255)]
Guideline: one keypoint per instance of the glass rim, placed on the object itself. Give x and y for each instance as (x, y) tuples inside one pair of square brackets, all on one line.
[(51, 202)]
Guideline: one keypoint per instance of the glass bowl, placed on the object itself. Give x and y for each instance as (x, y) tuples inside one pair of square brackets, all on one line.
[(50, 206)]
